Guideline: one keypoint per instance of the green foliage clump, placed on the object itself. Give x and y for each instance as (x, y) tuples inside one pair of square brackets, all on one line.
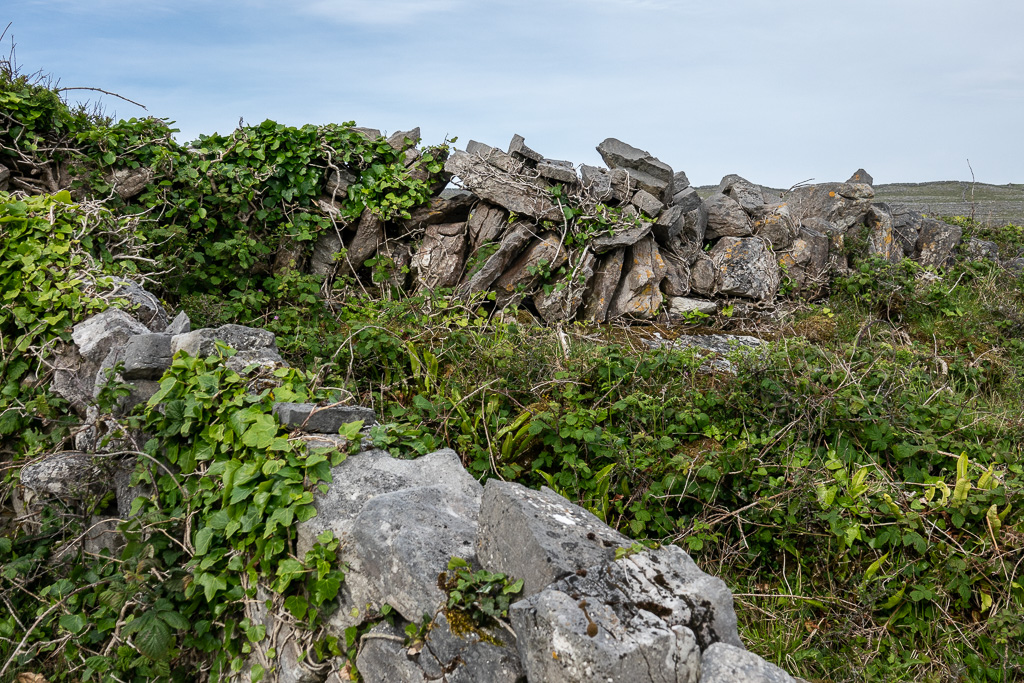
[(481, 596)]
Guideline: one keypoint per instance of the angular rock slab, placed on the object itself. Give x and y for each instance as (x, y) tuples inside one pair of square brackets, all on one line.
[(651, 173), (486, 224), (562, 303), (439, 261), (937, 243), (76, 369), (363, 476), (639, 292), (841, 204), (315, 419), (145, 307), (726, 218), (203, 342), (881, 238), (680, 306), (746, 268), (512, 193), (512, 244), (565, 639), (147, 356), (539, 536), (398, 545), (743, 192), (369, 236), (67, 475), (524, 273), (906, 226), (724, 663), (383, 658), (465, 658), (598, 296), (807, 258)]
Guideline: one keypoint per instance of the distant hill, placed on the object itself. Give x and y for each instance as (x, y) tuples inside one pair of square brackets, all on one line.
[(992, 204)]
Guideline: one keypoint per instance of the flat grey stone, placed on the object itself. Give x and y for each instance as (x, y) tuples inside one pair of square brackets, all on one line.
[(558, 171), (363, 476), (517, 147), (597, 182), (465, 658), (717, 343), (679, 306), (598, 296), (566, 638), (397, 546), (538, 536), (937, 243), (180, 325), (626, 181), (624, 235), (618, 154), (453, 208), (202, 342), (726, 218), (514, 194), (494, 157), (315, 419), (725, 663), (146, 356), (648, 203), (746, 268)]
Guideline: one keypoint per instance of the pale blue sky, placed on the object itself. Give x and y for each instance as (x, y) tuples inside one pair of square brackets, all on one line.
[(777, 91)]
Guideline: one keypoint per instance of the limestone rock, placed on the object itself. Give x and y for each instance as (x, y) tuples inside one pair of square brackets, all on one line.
[(746, 268), (363, 476), (806, 259), (597, 182), (906, 226), (494, 157), (130, 182), (623, 235), (514, 194), (439, 261), (686, 198), (565, 298), (563, 639), (67, 475), (598, 296), (677, 274), (517, 147), (982, 250), (704, 275), (337, 182), (639, 292), (523, 274), (202, 342), (147, 356), (369, 235), (881, 239), (648, 203), (726, 218), (679, 306), (486, 224), (180, 325), (77, 367), (398, 544), (383, 658), (725, 663), (841, 204), (775, 226), (937, 242), (325, 250), (465, 658), (557, 171), (404, 138), (315, 419), (745, 193), (512, 244), (861, 176), (650, 173), (538, 536), (451, 208), (142, 305)]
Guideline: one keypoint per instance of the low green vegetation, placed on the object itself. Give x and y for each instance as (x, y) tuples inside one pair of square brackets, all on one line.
[(857, 482)]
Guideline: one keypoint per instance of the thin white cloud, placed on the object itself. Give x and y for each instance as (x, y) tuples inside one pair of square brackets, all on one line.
[(379, 12)]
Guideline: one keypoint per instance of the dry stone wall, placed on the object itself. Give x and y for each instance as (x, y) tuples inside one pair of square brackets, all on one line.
[(632, 240)]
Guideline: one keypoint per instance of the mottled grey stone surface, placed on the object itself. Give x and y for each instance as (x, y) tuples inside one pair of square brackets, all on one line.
[(598, 296), (202, 342), (363, 476), (639, 291), (724, 663), (499, 188), (726, 218), (937, 243), (146, 356), (180, 325), (538, 536), (746, 268), (321, 419)]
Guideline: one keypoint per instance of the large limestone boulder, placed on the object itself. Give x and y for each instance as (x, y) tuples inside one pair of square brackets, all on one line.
[(639, 291), (937, 243), (726, 218), (746, 268), (539, 536)]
